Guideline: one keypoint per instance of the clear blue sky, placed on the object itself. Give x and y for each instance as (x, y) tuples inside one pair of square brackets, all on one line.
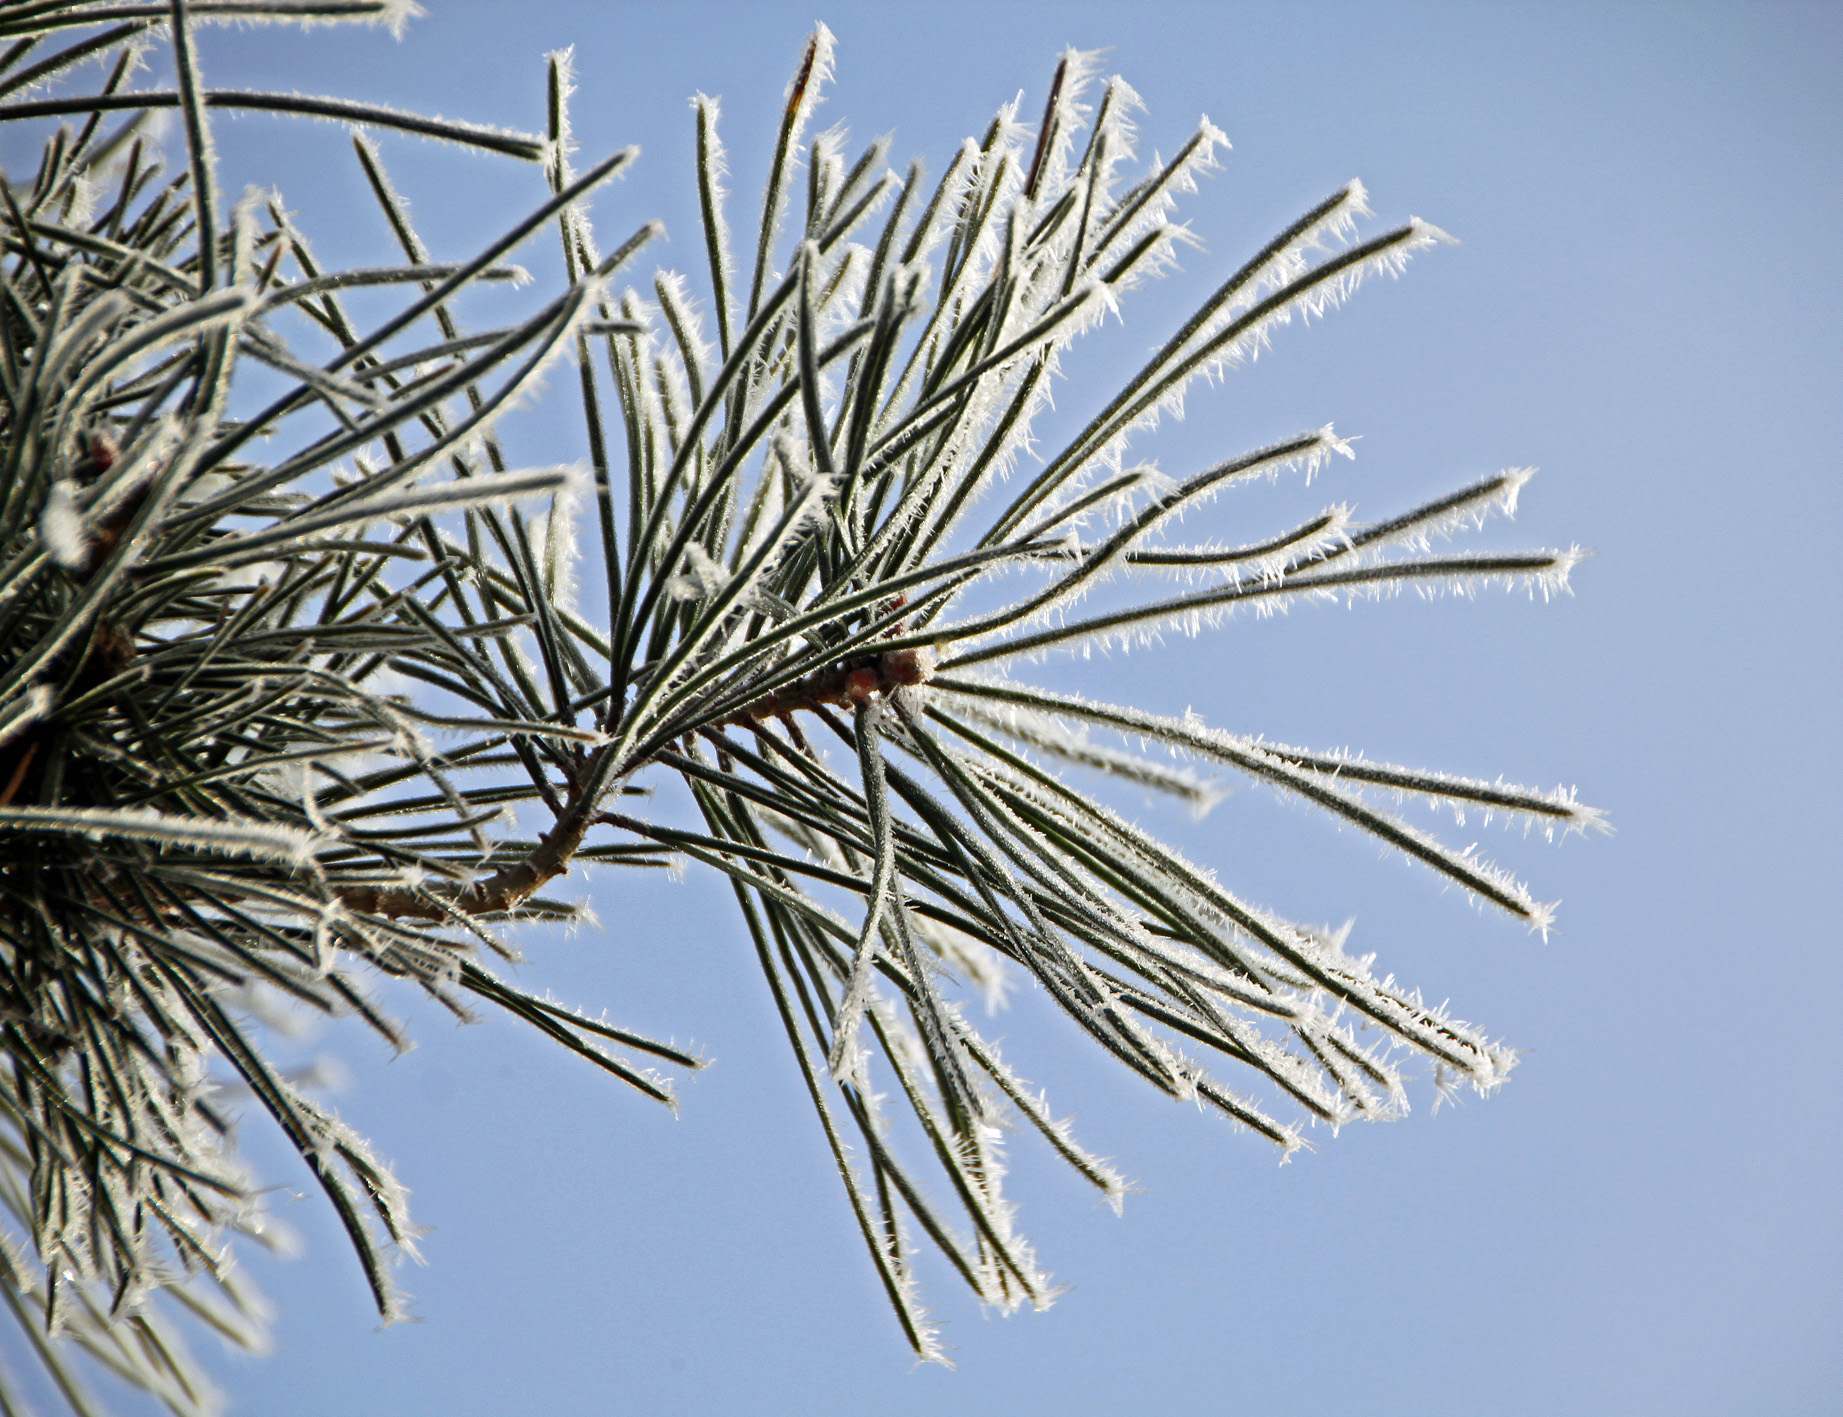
[(1646, 304)]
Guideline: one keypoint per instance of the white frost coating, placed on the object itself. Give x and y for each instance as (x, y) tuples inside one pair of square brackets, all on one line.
[(268, 841), (974, 258), (1555, 809), (709, 111), (73, 349), (393, 16), (1308, 453), (1263, 763), (1217, 345), (920, 501), (639, 351), (681, 312), (397, 15), (62, 529), (1005, 1264), (341, 1148), (1314, 300), (958, 176), (982, 967), (484, 490), (134, 468), (1070, 117), (786, 464), (1075, 506), (903, 1044), (310, 801), (23, 710), (846, 1058), (1264, 562), (578, 306), (1260, 985), (1147, 210), (1442, 518), (457, 131), (1292, 1073), (1338, 224), (828, 156), (557, 537), (563, 67), (82, 191), (721, 618), (671, 383), (579, 232), (803, 91), (701, 578), (824, 47), (1546, 572), (1068, 317), (1268, 948), (243, 241), (1059, 1133), (1048, 734)]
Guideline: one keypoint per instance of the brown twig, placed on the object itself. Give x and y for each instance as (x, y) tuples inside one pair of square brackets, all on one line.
[(501, 893)]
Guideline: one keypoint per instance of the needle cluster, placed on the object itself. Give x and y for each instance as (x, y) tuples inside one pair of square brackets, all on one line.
[(274, 670)]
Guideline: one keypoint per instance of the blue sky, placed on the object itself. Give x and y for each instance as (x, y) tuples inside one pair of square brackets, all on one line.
[(1645, 304)]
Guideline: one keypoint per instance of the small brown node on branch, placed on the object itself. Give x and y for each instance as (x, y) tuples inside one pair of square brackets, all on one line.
[(100, 453), (862, 684), (850, 683)]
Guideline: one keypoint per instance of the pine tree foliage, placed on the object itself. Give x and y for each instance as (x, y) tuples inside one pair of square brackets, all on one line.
[(258, 553)]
